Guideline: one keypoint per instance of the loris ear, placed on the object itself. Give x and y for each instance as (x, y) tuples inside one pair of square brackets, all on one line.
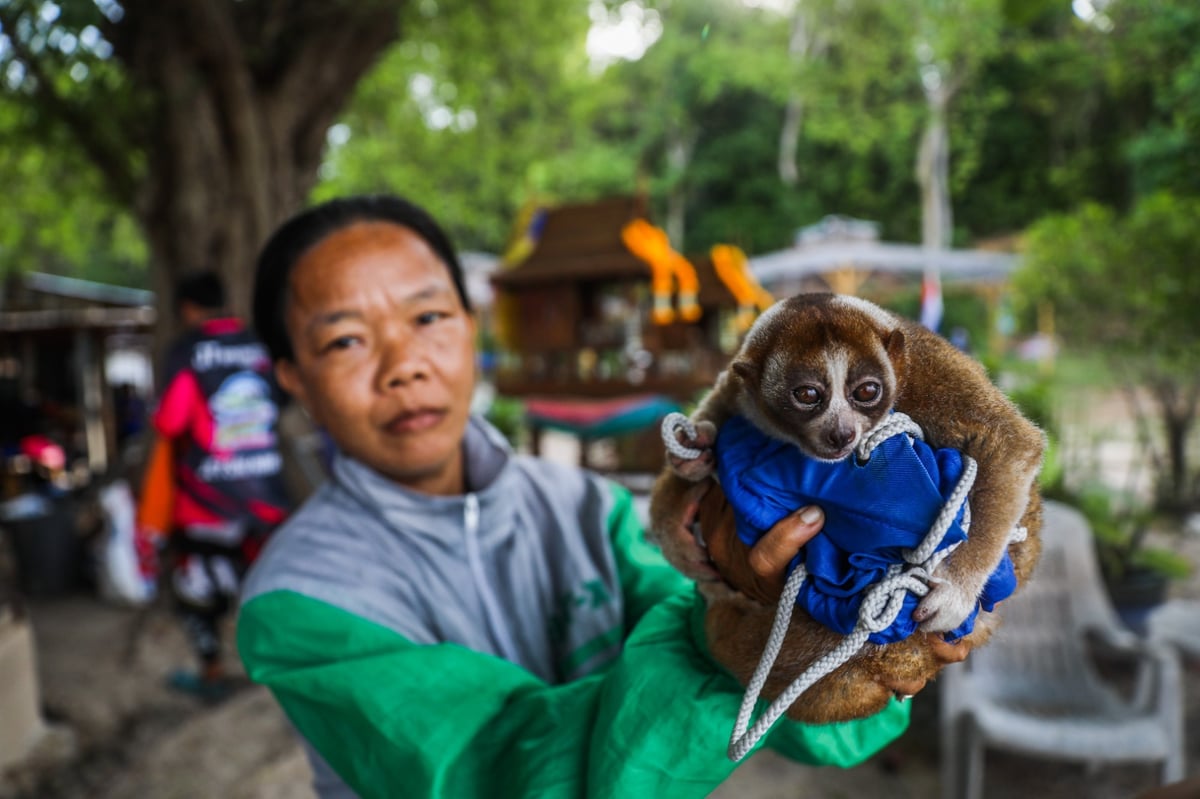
[(746, 371), (893, 343)]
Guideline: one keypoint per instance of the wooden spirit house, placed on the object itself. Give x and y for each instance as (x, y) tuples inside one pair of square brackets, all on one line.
[(597, 340), (574, 317)]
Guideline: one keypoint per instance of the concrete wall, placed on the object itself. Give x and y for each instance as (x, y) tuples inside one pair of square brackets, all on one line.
[(21, 725)]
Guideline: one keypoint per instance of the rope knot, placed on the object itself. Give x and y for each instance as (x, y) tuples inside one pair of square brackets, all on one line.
[(883, 601)]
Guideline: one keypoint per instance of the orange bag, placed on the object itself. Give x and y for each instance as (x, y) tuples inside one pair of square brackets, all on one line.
[(156, 500)]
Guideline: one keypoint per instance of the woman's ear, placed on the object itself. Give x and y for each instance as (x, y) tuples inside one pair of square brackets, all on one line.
[(289, 381)]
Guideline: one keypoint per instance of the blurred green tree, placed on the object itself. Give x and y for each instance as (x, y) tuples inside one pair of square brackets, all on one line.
[(464, 113), (1154, 68), (202, 123), (1127, 287), (59, 219)]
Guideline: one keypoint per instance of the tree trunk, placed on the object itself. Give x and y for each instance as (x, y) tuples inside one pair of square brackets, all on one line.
[(1177, 404), (240, 109), (933, 175), (679, 155), (789, 139), (804, 44)]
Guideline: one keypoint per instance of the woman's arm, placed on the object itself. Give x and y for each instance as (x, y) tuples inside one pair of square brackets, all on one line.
[(397, 719)]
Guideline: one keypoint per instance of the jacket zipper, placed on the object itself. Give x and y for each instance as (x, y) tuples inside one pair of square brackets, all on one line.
[(491, 606)]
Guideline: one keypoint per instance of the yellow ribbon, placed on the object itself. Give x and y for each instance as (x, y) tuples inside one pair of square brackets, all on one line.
[(650, 244), (733, 269)]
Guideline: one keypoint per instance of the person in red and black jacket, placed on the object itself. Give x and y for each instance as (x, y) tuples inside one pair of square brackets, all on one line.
[(219, 409)]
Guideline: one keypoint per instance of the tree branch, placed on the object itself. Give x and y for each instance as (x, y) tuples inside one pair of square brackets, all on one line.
[(323, 66)]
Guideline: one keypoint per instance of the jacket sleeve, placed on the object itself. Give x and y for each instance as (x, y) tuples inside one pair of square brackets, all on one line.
[(647, 578), (179, 410), (397, 719)]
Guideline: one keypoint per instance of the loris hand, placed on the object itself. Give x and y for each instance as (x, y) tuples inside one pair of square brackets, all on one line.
[(760, 571), (701, 437)]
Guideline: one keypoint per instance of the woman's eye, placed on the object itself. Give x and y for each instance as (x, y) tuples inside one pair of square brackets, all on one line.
[(341, 343), (867, 392), (429, 317), (807, 395)]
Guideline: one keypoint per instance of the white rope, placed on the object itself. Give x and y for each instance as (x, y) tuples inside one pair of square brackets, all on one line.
[(880, 607), (672, 425)]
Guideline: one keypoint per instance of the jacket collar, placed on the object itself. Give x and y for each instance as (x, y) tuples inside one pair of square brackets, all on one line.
[(486, 459)]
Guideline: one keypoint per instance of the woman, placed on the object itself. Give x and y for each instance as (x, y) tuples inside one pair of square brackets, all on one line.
[(447, 618)]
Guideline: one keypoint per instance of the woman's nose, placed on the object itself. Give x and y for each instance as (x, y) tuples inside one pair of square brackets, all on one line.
[(401, 363)]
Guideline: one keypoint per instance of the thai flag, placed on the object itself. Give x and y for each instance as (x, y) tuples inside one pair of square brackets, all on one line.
[(931, 300)]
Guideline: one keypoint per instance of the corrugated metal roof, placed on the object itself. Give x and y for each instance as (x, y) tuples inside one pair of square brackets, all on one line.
[(77, 288), (95, 317)]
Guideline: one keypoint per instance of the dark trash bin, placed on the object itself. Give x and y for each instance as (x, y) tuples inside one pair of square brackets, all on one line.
[(48, 551)]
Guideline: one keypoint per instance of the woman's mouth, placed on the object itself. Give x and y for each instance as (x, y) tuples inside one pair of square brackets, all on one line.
[(415, 421)]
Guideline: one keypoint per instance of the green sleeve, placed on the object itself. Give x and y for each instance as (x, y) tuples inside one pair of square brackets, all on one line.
[(397, 719), (646, 577), (844, 744)]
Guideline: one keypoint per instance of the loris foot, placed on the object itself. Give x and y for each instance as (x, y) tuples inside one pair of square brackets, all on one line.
[(699, 438), (944, 607)]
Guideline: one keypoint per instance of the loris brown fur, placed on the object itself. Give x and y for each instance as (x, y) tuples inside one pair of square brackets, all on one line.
[(820, 370)]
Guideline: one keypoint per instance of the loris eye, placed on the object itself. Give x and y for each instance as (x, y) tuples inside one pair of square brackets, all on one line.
[(807, 395), (867, 392)]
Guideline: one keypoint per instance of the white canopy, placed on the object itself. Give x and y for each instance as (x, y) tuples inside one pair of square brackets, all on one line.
[(829, 256)]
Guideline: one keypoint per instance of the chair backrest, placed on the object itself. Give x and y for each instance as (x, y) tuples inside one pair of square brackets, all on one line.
[(1041, 649)]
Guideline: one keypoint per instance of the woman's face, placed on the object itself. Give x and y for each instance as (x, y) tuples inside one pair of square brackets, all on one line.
[(384, 354)]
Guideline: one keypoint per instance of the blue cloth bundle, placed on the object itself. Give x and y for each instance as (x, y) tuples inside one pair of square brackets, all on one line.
[(873, 512)]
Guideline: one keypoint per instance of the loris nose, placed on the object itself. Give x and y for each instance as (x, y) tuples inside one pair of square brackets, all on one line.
[(839, 436)]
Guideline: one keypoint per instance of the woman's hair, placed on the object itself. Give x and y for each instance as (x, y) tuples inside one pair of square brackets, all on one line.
[(302, 232)]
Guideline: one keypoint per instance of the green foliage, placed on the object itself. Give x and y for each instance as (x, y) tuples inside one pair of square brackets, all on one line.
[(460, 114), (737, 196), (1124, 285), (63, 214), (482, 107), (1036, 397), (1155, 70), (1040, 145), (507, 415), (76, 232), (1171, 565), (1120, 535)]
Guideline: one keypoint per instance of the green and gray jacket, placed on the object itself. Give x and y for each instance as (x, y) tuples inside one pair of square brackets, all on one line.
[(522, 640)]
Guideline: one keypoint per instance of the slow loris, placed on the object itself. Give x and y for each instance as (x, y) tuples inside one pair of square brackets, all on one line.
[(820, 371)]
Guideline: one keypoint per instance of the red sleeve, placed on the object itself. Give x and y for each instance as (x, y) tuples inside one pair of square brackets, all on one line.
[(182, 410)]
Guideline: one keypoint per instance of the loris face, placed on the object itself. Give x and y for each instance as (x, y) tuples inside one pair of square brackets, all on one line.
[(820, 377)]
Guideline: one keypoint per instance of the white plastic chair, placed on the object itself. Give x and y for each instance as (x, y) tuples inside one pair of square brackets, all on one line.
[(1035, 690)]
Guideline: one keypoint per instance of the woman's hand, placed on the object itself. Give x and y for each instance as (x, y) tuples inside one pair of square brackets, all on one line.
[(759, 571)]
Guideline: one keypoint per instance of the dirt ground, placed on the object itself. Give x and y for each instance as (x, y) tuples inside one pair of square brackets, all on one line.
[(118, 733)]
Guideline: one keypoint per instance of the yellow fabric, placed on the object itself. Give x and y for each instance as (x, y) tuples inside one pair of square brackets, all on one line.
[(650, 244), (733, 269)]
